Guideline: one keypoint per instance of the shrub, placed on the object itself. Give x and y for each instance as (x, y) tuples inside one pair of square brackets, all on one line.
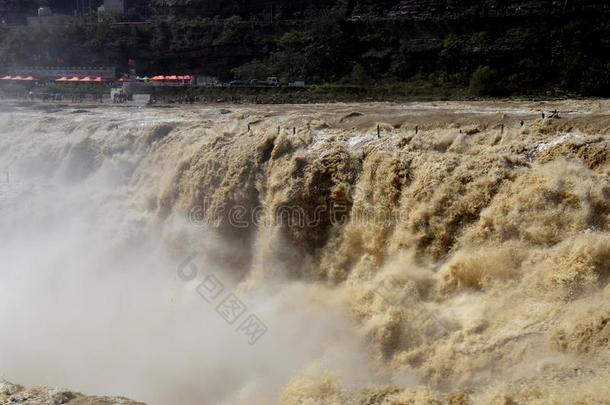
[(483, 82)]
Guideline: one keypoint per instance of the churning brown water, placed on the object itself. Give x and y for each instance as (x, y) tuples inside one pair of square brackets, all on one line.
[(391, 254)]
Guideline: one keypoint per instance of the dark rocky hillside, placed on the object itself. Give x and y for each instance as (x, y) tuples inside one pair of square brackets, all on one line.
[(483, 8), (483, 47), (289, 9), (380, 8)]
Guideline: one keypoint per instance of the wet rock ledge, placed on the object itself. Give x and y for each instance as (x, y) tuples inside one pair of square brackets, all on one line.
[(11, 394)]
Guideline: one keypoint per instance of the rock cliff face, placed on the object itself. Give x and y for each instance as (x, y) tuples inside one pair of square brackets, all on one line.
[(453, 8), (260, 8), (383, 8), (286, 9)]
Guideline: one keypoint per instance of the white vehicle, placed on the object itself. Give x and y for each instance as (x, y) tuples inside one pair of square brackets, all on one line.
[(273, 81)]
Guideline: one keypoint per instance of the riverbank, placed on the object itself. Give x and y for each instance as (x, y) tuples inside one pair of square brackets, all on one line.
[(14, 394), (410, 91)]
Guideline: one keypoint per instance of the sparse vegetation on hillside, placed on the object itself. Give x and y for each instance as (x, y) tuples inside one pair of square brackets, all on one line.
[(486, 56)]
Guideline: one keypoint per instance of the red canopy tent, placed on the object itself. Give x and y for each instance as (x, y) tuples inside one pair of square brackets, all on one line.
[(19, 79), (85, 79), (97, 79), (124, 79), (62, 79), (75, 79), (171, 78)]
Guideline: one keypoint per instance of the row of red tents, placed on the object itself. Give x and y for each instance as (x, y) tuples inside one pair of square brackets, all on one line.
[(77, 79), (172, 78), (98, 79), (19, 78), (87, 79)]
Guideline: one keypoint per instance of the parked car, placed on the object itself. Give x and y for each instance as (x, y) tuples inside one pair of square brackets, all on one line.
[(273, 81)]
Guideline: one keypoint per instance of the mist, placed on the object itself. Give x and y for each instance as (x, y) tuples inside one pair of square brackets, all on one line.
[(92, 297), (363, 261)]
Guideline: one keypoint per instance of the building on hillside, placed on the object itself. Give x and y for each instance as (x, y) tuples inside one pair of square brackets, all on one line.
[(134, 10), (112, 6), (46, 16), (207, 81)]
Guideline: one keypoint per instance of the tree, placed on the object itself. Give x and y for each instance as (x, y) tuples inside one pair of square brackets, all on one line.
[(253, 70), (483, 82), (358, 75)]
